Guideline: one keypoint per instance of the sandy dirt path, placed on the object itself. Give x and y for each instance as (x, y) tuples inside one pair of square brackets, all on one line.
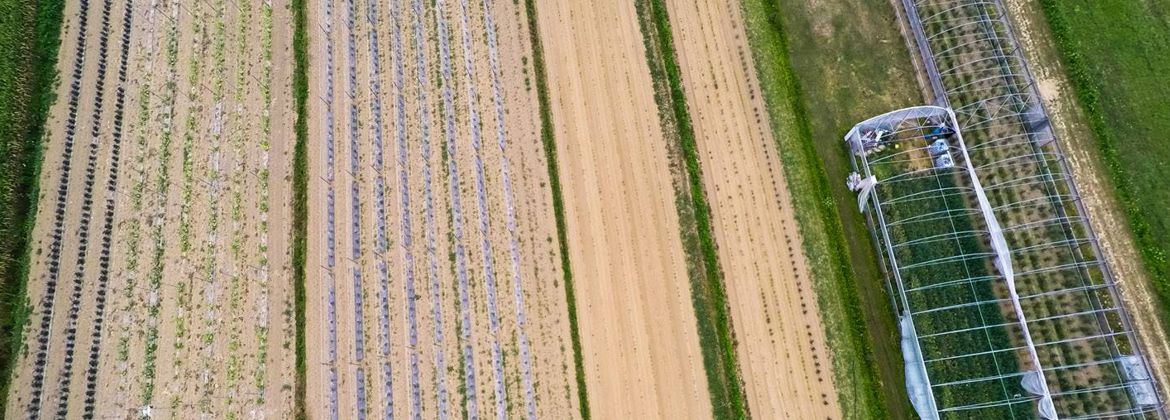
[(781, 344), (637, 325)]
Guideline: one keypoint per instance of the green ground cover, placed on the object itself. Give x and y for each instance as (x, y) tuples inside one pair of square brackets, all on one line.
[(1117, 54), (29, 39), (300, 193), (824, 67)]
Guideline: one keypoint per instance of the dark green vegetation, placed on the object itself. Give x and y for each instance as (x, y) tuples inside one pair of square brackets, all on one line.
[(550, 153), (851, 55), (30, 33), (928, 266), (300, 193), (1117, 54), (708, 296)]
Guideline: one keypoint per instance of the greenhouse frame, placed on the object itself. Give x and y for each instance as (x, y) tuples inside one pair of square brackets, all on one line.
[(1007, 307)]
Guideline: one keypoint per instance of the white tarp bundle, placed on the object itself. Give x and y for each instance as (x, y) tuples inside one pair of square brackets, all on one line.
[(1033, 382), (917, 384)]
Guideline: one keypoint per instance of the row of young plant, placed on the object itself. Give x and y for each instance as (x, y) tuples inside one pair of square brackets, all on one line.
[(520, 338), (100, 295), (381, 244), (466, 369), (259, 376), (162, 184), (131, 242), (482, 207), (48, 302)]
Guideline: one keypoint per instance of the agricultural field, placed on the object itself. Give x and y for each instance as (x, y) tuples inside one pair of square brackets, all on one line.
[(328, 209), (781, 346), (638, 331), (158, 266), (434, 281)]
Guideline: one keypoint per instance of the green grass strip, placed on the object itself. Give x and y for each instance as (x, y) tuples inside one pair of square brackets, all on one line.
[(816, 213), (550, 153), (300, 193), (708, 296), (28, 80), (1086, 84)]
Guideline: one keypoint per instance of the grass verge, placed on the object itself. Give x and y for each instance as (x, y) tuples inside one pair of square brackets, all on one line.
[(300, 193), (1118, 74), (550, 153), (707, 293), (851, 54), (28, 80)]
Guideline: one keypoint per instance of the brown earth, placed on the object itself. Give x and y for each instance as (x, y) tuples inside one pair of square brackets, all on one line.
[(188, 331), (637, 325), (784, 361)]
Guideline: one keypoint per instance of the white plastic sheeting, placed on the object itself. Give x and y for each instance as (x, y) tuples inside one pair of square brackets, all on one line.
[(917, 383), (1141, 386)]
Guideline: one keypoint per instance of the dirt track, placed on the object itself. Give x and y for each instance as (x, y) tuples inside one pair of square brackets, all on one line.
[(783, 358), (637, 325)]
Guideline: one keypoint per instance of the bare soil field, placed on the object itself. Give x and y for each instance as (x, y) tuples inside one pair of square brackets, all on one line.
[(159, 258), (784, 361), (433, 276), (637, 325)]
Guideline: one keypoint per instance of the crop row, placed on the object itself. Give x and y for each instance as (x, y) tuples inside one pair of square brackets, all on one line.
[(380, 239), (510, 212), (48, 301), (108, 227), (330, 207), (481, 198), (162, 185), (456, 213)]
